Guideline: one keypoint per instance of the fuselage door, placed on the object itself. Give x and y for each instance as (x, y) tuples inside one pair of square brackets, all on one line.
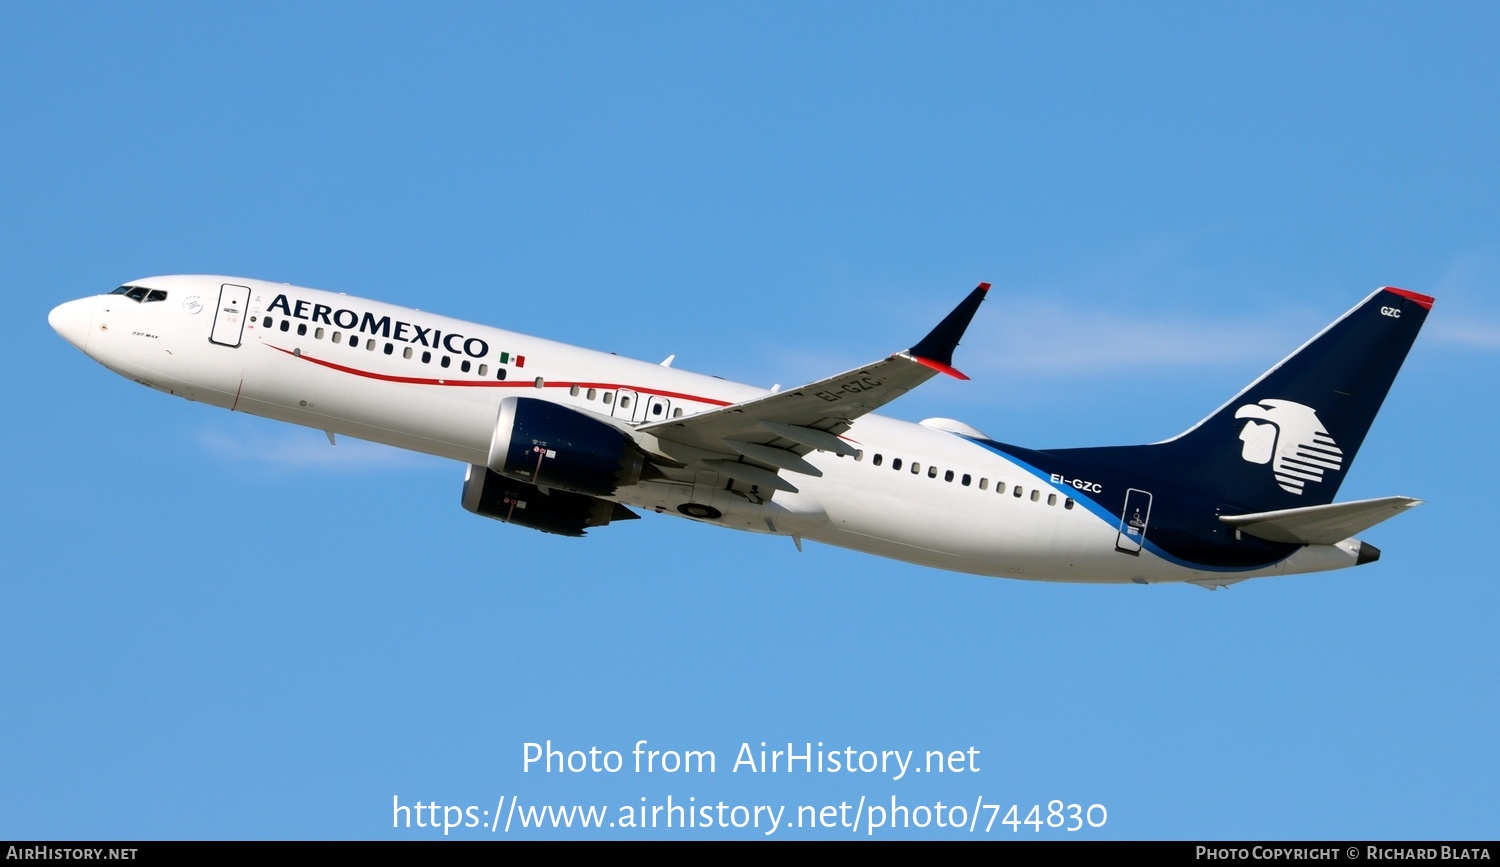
[(1133, 520), (656, 409), (627, 405), (229, 316)]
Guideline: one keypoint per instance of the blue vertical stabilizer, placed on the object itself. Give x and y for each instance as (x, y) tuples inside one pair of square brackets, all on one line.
[(1288, 439)]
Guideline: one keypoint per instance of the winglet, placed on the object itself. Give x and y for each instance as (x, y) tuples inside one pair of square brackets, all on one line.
[(936, 349)]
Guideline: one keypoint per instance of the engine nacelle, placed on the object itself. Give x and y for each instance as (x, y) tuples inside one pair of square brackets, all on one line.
[(545, 444), (492, 495)]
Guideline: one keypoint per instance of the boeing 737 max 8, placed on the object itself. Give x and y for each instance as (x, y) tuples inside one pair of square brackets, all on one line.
[(563, 439)]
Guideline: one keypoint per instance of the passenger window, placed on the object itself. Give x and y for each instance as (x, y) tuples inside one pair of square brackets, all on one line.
[(1019, 491), (1036, 494), (539, 383), (916, 468), (266, 322), (932, 473), (877, 459), (999, 487), (369, 344), (965, 480), (499, 373), (1068, 503), (464, 365), (984, 484), (426, 357), (445, 362), (338, 336), (895, 463), (285, 325), (484, 370), (948, 477), (677, 413), (1051, 499), (406, 353), (656, 409), (625, 402), (609, 397), (390, 348), (318, 334), (301, 329)]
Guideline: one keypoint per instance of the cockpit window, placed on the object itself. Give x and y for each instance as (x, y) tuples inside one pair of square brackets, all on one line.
[(140, 293)]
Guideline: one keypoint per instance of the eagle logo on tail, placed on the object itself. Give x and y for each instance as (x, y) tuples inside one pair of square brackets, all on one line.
[(1290, 437)]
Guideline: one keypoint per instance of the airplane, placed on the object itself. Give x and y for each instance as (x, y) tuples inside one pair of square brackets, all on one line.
[(563, 439)]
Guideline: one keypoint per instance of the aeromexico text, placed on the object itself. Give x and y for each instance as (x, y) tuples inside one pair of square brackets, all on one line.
[(767, 759), (384, 326)]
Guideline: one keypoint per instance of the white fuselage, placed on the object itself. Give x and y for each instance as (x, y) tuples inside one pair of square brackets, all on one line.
[(376, 371)]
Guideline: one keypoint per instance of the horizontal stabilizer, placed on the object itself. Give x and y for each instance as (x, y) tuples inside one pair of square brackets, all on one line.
[(1320, 525)]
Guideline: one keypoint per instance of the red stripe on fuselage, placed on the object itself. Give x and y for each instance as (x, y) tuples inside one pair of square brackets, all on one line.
[(486, 383)]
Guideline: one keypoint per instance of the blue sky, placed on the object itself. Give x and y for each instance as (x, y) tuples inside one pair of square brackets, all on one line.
[(216, 626)]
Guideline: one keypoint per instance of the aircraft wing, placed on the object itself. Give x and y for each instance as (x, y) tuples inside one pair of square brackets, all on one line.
[(777, 429), (1320, 525)]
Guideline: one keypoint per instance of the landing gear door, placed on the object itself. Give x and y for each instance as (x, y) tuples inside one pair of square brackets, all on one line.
[(229, 316), (1133, 520)]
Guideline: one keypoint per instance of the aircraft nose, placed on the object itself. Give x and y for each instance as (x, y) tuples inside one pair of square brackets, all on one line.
[(74, 321)]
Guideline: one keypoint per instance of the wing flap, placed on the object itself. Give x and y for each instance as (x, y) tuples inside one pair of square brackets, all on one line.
[(1320, 525), (812, 438), (751, 474), (779, 458)]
